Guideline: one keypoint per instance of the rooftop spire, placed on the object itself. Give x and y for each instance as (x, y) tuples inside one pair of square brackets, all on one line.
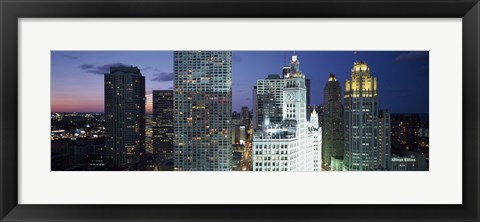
[(332, 78)]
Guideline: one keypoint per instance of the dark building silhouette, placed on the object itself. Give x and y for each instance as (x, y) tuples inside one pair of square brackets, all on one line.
[(332, 132), (384, 140), (163, 133), (124, 116), (307, 86), (409, 133)]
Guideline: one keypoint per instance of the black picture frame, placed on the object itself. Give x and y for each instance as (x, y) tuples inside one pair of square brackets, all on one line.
[(11, 11)]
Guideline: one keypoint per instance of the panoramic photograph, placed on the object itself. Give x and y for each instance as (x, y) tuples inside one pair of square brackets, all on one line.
[(304, 111)]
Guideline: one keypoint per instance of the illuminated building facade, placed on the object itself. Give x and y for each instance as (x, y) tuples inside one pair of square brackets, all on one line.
[(124, 116), (202, 110), (384, 142), (163, 129), (332, 133), (361, 120), (292, 144)]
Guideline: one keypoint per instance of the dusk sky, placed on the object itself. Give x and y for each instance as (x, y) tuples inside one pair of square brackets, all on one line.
[(77, 76)]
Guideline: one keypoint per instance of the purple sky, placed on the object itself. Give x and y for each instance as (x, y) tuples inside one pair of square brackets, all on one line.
[(77, 76)]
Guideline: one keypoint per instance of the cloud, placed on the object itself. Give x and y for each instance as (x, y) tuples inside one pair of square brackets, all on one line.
[(412, 56), (163, 77), (69, 56), (87, 66), (146, 68), (171, 87), (102, 69)]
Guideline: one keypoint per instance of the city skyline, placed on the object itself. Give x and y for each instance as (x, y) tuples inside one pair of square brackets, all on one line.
[(404, 75), (194, 127)]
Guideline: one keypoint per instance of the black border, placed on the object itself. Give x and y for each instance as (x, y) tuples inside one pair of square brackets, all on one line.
[(11, 11)]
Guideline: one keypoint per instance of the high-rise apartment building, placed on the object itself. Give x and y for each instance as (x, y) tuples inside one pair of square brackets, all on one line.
[(361, 120), (124, 116), (332, 131), (163, 133), (203, 110), (292, 144)]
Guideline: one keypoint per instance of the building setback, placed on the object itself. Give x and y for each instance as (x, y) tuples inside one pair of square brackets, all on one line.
[(163, 129), (202, 110), (361, 120), (332, 131), (124, 116), (292, 144)]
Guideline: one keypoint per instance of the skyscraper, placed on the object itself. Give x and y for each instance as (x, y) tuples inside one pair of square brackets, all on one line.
[(245, 116), (163, 129), (307, 87), (124, 116), (361, 120), (332, 132), (384, 142), (292, 144), (203, 110), (269, 100), (254, 108)]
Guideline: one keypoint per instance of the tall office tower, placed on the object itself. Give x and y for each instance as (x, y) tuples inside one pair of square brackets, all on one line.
[(254, 123), (292, 144), (384, 144), (269, 100), (245, 116), (309, 107), (203, 110), (307, 86), (124, 116), (163, 129), (332, 136), (361, 120), (239, 134)]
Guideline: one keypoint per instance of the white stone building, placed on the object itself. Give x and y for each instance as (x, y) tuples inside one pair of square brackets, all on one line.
[(292, 144)]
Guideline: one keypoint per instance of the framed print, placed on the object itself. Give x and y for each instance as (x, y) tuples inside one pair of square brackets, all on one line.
[(265, 110)]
